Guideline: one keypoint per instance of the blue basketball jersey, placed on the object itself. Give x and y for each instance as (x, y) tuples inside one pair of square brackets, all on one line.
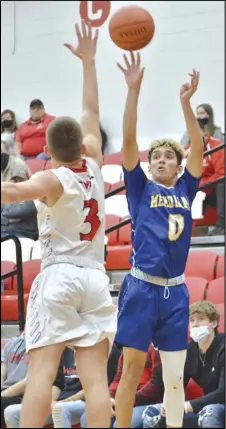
[(161, 222)]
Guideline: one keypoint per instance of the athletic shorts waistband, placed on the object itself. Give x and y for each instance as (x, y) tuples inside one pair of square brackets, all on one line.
[(159, 281), (79, 261)]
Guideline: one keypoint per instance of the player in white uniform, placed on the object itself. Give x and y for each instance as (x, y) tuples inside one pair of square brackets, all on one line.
[(69, 302)]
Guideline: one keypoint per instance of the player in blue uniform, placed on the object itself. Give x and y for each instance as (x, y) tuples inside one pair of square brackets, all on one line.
[(154, 301)]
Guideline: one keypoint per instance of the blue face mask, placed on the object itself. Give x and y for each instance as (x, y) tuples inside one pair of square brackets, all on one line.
[(200, 334)]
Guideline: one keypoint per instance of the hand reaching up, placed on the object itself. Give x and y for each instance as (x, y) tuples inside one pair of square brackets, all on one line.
[(86, 42), (188, 89), (133, 71)]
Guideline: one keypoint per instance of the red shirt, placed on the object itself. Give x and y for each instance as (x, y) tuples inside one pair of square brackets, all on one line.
[(213, 165), (32, 135)]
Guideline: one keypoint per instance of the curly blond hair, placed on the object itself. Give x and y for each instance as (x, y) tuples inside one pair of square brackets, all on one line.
[(176, 146)]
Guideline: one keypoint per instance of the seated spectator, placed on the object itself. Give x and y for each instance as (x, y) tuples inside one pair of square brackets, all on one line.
[(213, 168), (205, 364), (19, 219), (205, 116), (11, 413), (30, 137), (147, 392), (8, 128), (10, 164)]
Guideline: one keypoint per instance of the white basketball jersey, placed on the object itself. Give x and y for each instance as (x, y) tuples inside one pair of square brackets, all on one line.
[(73, 229)]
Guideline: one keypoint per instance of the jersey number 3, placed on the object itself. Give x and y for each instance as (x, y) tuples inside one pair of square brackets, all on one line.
[(92, 218)]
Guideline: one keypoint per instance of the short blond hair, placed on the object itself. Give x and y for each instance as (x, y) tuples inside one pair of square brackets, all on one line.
[(205, 308), (176, 146)]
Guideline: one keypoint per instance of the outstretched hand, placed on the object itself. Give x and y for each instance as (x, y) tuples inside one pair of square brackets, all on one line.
[(87, 43), (133, 71), (188, 89)]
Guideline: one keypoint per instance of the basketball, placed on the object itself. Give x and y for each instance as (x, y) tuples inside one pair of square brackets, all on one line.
[(131, 28)]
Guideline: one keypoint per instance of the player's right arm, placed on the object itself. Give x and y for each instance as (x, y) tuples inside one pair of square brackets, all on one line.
[(90, 124), (134, 177), (133, 73), (43, 185)]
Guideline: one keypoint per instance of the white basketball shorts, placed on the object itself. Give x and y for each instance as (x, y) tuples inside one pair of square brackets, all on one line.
[(69, 304)]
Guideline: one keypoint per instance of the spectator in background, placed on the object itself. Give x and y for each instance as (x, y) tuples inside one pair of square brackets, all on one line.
[(205, 364), (14, 367), (30, 137), (19, 219), (148, 391), (10, 164), (8, 128), (12, 413), (205, 117), (213, 169)]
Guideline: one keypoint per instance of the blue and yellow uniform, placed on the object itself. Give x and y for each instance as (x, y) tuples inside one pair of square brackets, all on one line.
[(154, 301)]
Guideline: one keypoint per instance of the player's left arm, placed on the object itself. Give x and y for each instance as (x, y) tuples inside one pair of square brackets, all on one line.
[(43, 185), (195, 158), (90, 123)]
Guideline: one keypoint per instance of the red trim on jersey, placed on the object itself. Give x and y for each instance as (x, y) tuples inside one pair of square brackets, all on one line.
[(82, 169)]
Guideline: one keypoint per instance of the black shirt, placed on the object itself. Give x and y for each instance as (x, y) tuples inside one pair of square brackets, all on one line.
[(208, 371)]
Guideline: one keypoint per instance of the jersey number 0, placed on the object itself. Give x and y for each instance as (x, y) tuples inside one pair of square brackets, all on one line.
[(92, 218)]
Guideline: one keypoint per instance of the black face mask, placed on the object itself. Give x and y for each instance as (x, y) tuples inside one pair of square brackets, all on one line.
[(7, 123), (4, 161), (203, 121)]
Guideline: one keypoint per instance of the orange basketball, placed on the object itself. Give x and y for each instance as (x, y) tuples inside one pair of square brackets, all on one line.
[(131, 28)]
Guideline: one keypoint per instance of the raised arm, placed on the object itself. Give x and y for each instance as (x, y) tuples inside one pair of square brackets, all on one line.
[(133, 73), (86, 51), (195, 158), (43, 185)]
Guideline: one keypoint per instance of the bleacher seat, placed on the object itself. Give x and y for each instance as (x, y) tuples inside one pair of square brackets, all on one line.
[(196, 288), (36, 164), (107, 187), (201, 264), (111, 220), (118, 185), (7, 266), (48, 165), (36, 250), (117, 205), (8, 249), (112, 173), (215, 291), (9, 306), (125, 233), (30, 270), (113, 158), (143, 155), (220, 266), (118, 257), (221, 327)]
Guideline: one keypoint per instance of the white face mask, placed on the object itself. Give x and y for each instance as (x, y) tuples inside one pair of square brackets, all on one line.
[(200, 333)]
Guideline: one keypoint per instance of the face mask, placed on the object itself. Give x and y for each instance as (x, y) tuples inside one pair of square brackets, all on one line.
[(200, 334), (6, 123), (203, 121), (4, 161)]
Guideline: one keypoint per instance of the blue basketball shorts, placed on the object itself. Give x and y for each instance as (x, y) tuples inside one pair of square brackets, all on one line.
[(147, 315)]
